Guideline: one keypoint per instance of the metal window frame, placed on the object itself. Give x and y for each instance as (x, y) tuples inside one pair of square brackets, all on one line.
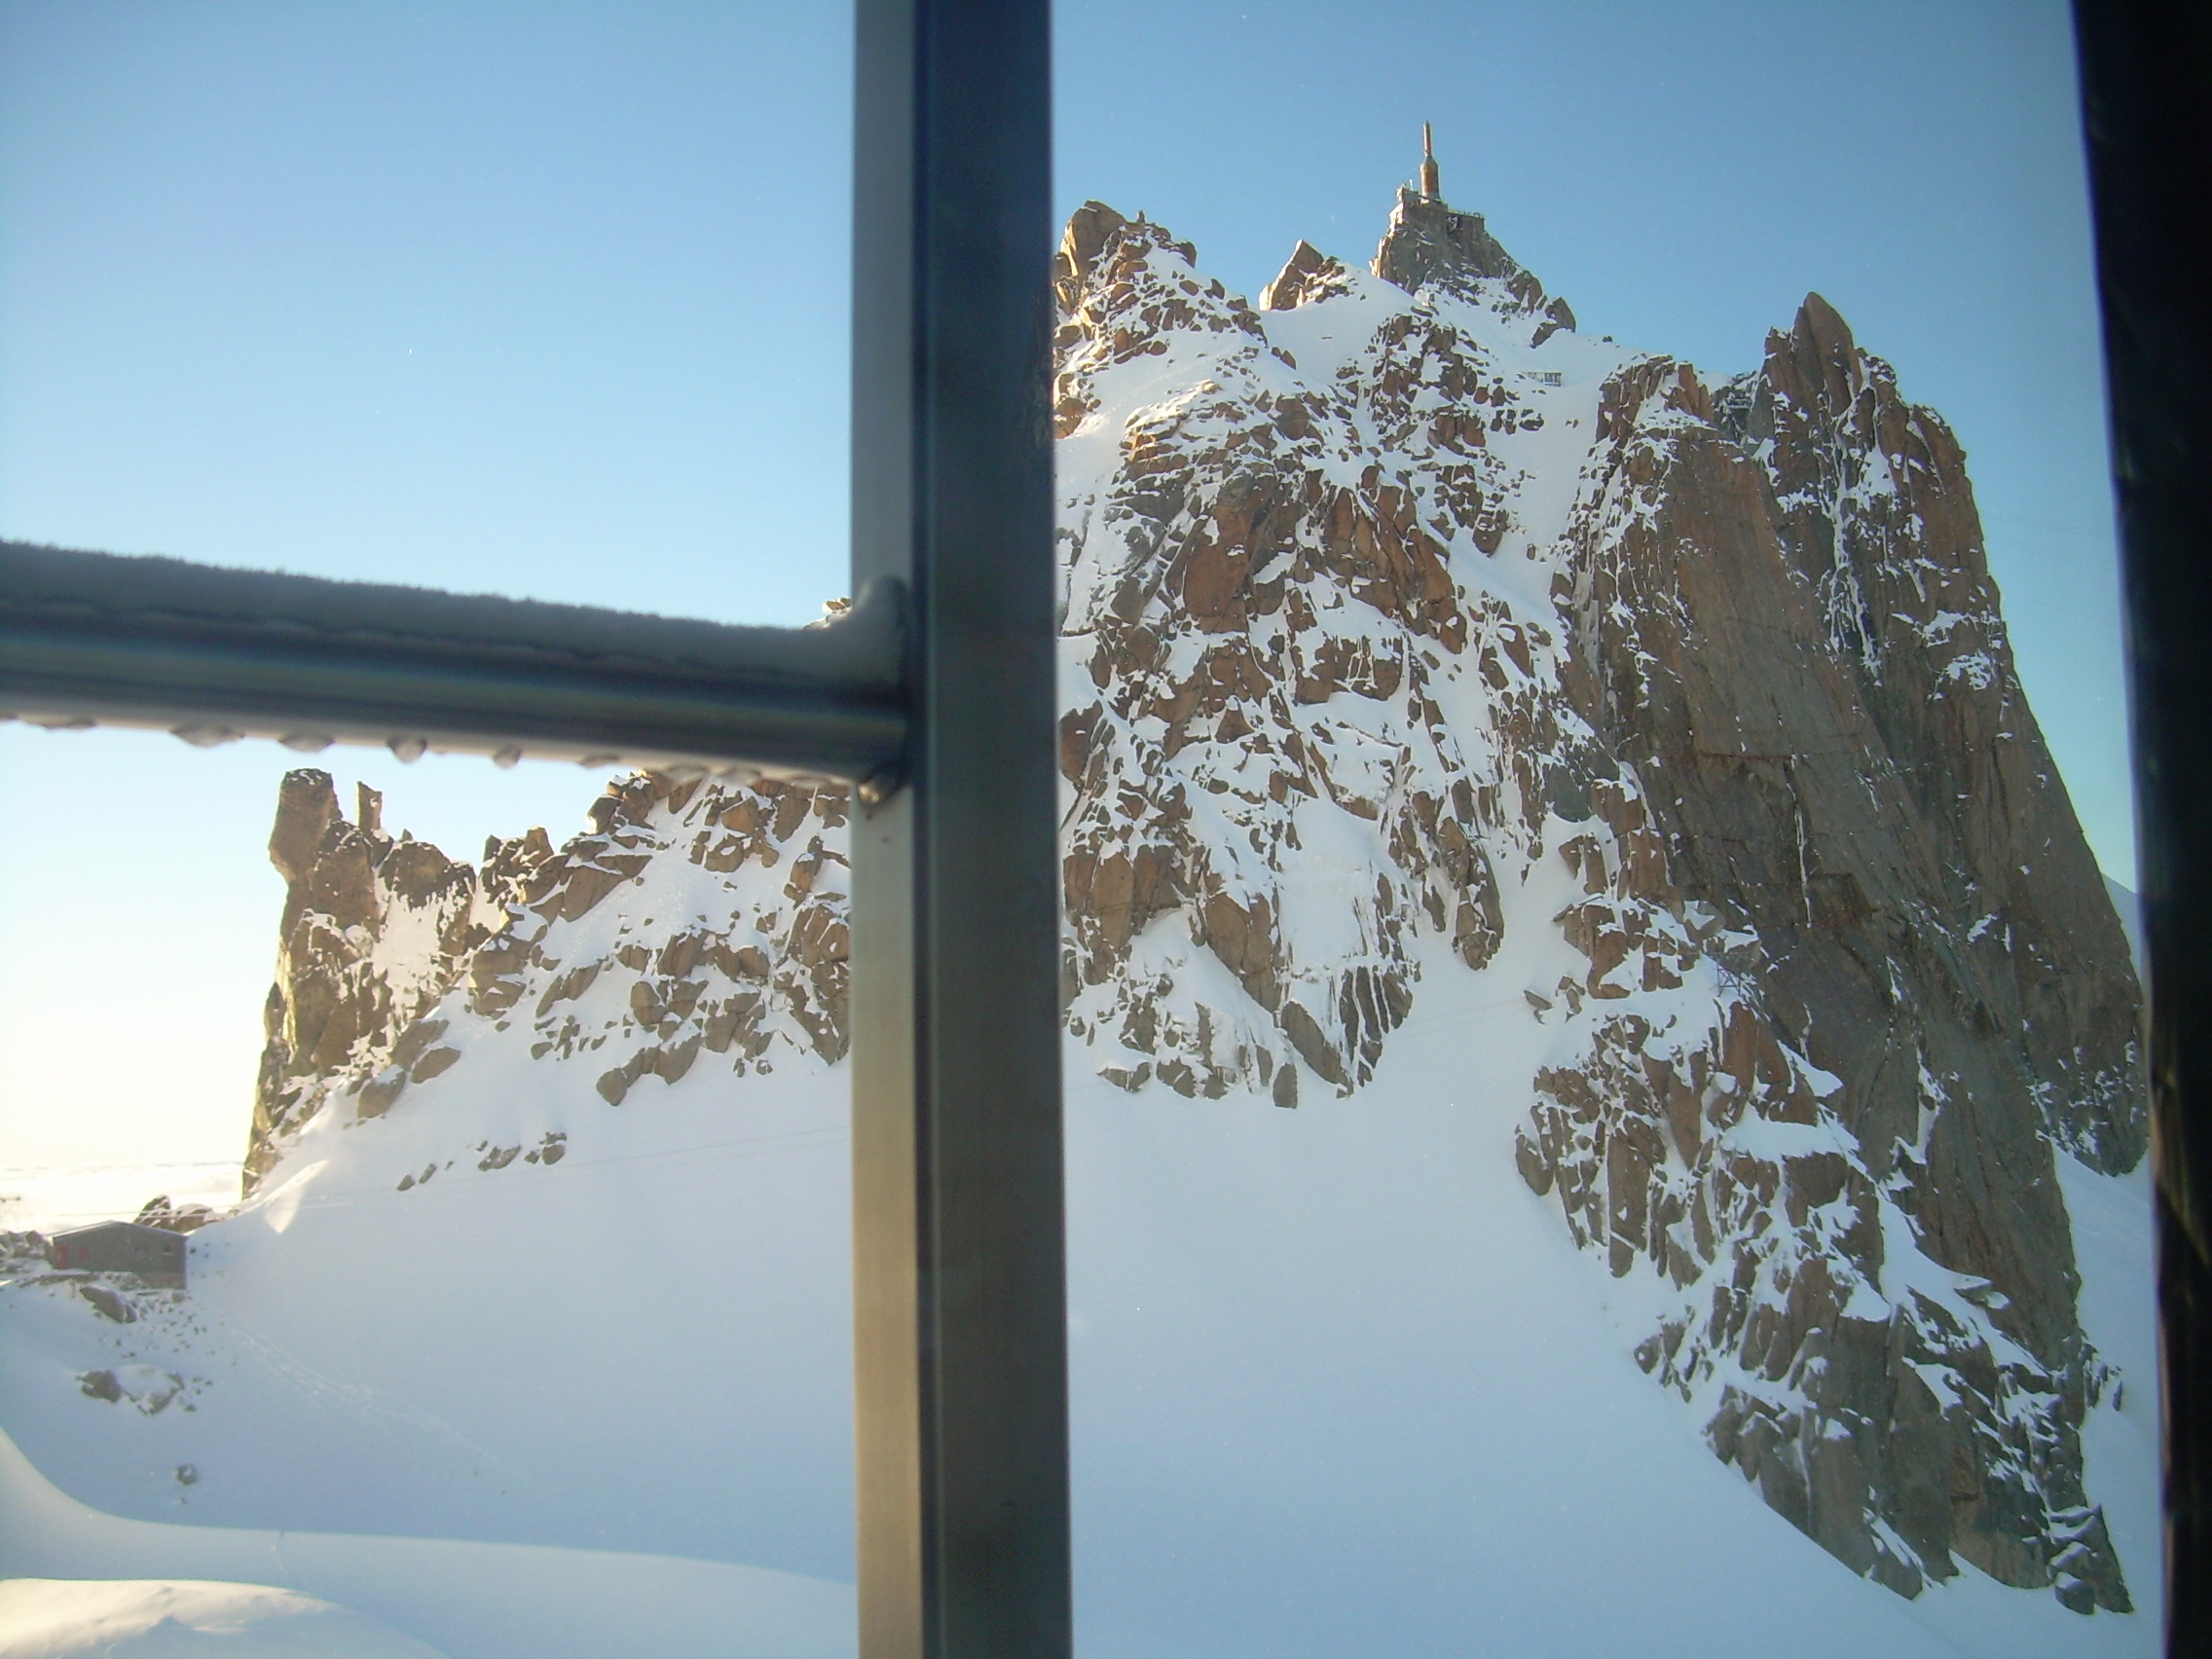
[(2147, 115), (935, 695), (942, 681)]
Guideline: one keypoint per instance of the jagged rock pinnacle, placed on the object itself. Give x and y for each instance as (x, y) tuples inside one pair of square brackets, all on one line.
[(1431, 242)]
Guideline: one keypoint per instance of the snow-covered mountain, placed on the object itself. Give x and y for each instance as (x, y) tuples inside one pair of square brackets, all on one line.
[(1377, 617), (1600, 800)]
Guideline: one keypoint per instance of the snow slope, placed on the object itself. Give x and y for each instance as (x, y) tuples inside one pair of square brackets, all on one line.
[(1297, 1428), (490, 1600), (52, 1618), (1341, 1382)]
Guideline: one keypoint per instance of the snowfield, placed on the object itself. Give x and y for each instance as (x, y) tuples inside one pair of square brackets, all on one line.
[(1340, 1385), (49, 1618)]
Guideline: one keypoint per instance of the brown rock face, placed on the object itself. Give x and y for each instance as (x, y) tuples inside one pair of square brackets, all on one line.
[(1260, 598), (1308, 275), (392, 949), (1429, 242), (1876, 518), (1784, 624), (777, 963), (370, 929)]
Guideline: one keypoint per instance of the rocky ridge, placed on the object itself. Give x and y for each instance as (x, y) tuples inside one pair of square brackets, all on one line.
[(729, 941), (1387, 601), (369, 927)]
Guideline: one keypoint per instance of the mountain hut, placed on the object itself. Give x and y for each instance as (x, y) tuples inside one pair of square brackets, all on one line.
[(154, 1253)]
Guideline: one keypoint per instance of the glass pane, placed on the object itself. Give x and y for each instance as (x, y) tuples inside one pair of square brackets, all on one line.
[(492, 1247), (525, 1223), (546, 300), (1594, 677)]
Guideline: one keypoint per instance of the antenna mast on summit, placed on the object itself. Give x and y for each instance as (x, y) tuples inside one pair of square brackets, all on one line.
[(1429, 185)]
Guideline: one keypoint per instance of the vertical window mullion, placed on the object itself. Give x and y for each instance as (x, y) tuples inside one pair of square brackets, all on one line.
[(958, 1230)]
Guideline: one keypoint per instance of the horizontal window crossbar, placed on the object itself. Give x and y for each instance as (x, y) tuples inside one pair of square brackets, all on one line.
[(210, 654)]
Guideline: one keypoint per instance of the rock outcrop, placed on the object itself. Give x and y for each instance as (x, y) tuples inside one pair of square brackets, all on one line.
[(1261, 614), (1400, 616), (1431, 245), (370, 929), (1784, 626), (393, 954)]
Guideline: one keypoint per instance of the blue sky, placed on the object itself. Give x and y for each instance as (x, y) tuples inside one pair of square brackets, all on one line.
[(550, 298), (542, 297)]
